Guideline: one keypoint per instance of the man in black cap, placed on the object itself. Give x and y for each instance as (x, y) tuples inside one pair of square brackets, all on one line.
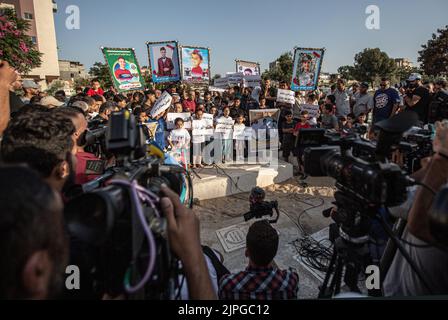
[(417, 98)]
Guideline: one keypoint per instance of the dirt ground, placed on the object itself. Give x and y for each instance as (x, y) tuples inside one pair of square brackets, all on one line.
[(300, 215), (292, 196)]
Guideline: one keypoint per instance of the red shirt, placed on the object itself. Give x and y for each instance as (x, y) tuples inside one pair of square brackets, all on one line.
[(189, 105), (92, 92), (302, 126), (88, 167)]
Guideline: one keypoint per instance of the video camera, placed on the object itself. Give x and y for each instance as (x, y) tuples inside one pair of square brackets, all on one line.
[(118, 222), (260, 208)]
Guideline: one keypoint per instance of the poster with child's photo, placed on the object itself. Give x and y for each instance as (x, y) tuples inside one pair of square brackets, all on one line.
[(195, 64)]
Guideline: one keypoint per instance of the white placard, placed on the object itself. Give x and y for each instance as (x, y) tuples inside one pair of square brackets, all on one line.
[(242, 132), (200, 128), (252, 81), (285, 96), (171, 117), (217, 89), (208, 118), (163, 103), (224, 125), (222, 83)]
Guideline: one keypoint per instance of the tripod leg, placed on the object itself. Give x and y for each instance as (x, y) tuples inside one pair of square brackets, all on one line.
[(323, 289), (337, 279)]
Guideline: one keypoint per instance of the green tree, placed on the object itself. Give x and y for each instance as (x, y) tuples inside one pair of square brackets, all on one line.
[(56, 85), (216, 76), (81, 82), (101, 72), (434, 56), (283, 69), (403, 73), (16, 47), (346, 72), (372, 64)]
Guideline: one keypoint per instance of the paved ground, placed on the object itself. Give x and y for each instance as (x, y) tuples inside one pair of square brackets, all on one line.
[(294, 201)]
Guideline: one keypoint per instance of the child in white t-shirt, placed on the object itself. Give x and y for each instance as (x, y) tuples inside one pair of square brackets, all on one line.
[(240, 143), (179, 139)]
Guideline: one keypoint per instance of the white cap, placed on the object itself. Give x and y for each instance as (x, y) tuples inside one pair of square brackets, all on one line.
[(414, 76), (50, 102)]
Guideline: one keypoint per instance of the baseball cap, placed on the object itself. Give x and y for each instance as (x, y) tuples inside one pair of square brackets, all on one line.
[(30, 84), (81, 105), (364, 84), (414, 77), (50, 101)]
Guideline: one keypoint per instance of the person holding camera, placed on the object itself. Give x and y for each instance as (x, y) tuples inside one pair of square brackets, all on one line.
[(430, 256)]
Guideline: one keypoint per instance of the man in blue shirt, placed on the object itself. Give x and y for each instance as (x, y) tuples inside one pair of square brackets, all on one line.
[(386, 101)]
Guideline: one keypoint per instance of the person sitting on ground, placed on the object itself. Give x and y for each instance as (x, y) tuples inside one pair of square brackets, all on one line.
[(261, 280)]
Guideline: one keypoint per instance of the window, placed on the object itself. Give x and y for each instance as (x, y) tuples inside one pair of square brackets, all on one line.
[(28, 16), (34, 40)]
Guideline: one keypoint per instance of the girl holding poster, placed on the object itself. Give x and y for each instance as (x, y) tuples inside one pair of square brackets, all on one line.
[(179, 140)]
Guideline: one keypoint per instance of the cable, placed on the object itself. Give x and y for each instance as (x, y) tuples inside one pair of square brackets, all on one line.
[(136, 192)]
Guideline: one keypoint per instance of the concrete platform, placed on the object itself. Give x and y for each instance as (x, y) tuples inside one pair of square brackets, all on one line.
[(229, 179)]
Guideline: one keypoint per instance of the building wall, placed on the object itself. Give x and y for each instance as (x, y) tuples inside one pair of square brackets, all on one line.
[(71, 70), (46, 35), (42, 27)]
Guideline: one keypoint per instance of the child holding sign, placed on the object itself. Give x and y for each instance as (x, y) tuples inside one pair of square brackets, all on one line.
[(179, 140), (239, 137), (225, 133), (198, 138)]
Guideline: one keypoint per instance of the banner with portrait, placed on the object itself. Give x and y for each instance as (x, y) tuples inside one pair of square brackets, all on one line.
[(248, 68), (164, 61), (124, 69), (195, 64), (306, 69)]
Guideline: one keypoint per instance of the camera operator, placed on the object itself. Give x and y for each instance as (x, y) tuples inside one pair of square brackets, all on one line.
[(32, 239), (36, 260), (417, 97), (261, 280), (44, 142), (103, 116), (427, 254)]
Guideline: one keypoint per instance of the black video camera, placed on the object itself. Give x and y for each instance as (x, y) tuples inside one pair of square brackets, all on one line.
[(117, 228), (262, 209)]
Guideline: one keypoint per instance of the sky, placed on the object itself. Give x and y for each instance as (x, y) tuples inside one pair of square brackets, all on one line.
[(249, 29)]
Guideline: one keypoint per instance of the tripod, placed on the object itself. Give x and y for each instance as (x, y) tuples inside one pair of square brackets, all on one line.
[(355, 257)]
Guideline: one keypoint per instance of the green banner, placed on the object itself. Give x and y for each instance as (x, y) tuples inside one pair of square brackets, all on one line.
[(124, 69)]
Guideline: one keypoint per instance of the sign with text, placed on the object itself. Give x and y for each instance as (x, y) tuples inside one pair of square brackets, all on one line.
[(171, 117), (285, 96), (162, 104)]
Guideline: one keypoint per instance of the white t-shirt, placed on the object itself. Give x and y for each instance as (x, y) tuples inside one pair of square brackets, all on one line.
[(180, 138)]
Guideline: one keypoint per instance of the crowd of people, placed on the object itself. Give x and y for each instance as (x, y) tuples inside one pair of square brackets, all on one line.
[(44, 154)]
